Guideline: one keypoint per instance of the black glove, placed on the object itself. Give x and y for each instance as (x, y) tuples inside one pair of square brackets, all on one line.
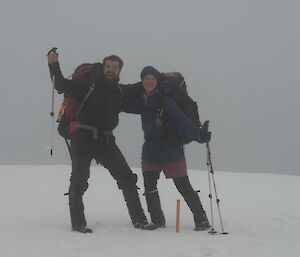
[(204, 134)]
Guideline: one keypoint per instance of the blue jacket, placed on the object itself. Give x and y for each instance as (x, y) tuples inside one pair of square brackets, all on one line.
[(156, 111)]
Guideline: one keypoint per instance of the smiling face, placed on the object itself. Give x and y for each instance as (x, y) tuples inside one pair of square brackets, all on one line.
[(111, 69), (149, 83)]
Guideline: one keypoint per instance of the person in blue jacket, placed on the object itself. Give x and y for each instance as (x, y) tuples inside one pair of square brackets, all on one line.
[(159, 153)]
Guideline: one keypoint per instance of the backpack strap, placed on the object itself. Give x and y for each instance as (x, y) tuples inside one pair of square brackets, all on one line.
[(164, 92), (91, 89), (120, 89)]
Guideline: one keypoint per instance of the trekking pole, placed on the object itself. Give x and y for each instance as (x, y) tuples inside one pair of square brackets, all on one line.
[(52, 116), (211, 173), (53, 49), (212, 231)]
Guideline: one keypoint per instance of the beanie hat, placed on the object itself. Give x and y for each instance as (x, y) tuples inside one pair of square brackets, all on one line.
[(150, 70)]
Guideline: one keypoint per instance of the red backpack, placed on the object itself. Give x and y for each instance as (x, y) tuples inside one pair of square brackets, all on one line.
[(70, 107)]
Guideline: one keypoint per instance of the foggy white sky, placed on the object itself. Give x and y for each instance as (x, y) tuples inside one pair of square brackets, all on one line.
[(240, 59)]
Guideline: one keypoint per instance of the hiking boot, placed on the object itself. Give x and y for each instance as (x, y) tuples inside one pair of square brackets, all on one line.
[(153, 226), (82, 229), (140, 224), (154, 207), (158, 219), (202, 224)]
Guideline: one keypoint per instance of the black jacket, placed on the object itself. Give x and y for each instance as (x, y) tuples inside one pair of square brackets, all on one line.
[(102, 107)]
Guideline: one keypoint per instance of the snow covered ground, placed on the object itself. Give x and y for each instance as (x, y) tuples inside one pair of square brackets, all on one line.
[(261, 212)]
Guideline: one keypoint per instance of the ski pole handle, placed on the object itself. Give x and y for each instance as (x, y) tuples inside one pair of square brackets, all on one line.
[(52, 50)]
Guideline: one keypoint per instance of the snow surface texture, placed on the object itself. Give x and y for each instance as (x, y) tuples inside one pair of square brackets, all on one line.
[(261, 212)]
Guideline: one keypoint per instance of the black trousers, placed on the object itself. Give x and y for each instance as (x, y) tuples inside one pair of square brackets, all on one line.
[(107, 153), (104, 151)]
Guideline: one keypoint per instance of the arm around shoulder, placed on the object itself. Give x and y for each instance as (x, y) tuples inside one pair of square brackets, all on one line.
[(131, 94)]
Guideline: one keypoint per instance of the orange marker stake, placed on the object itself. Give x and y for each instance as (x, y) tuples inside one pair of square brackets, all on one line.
[(177, 215)]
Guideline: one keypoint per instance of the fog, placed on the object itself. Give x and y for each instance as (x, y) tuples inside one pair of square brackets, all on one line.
[(240, 60)]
